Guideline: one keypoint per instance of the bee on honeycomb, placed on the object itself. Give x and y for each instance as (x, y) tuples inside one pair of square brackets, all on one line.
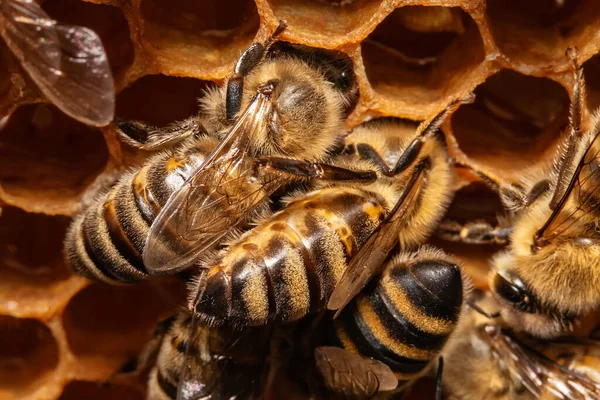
[(62, 336)]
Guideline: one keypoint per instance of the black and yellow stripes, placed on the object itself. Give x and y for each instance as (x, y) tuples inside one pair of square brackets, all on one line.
[(286, 268), (405, 317), (107, 241)]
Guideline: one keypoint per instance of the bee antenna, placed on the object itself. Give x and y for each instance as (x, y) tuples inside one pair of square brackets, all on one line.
[(481, 311)]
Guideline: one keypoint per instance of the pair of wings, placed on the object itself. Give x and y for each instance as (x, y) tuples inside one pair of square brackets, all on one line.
[(541, 375), (584, 187), (68, 63), (215, 199)]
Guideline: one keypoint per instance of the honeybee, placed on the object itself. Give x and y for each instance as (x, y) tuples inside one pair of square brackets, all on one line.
[(221, 165), (403, 319), (549, 276), (325, 244), (486, 361), (386, 339), (68, 63)]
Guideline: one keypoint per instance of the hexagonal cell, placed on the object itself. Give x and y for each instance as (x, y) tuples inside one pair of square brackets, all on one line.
[(328, 24), (115, 322), (28, 354), (47, 159), (539, 31), (30, 254), (107, 21), (160, 99), (514, 123), (591, 70), (420, 55), (77, 390), (198, 38)]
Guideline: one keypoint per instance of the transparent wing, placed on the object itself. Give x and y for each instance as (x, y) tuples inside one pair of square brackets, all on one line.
[(541, 375), (68, 63), (584, 187), (370, 258), (352, 375), (214, 200)]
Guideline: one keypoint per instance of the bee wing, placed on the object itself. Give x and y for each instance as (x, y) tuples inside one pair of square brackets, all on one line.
[(585, 185), (348, 373), (214, 200), (370, 258), (540, 374), (68, 63)]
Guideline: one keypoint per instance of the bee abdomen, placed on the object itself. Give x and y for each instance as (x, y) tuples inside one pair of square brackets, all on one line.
[(101, 246), (288, 267), (107, 242), (405, 318)]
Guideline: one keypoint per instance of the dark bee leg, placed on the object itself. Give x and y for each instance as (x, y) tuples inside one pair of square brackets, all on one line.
[(438, 379), (303, 169), (481, 311), (413, 150), (473, 232), (143, 136), (432, 128), (574, 140), (367, 152), (252, 57), (513, 197)]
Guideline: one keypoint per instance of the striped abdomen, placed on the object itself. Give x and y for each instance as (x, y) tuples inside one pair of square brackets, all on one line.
[(288, 266), (106, 242), (405, 318)]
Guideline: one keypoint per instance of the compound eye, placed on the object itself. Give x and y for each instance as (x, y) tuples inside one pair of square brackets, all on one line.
[(515, 292)]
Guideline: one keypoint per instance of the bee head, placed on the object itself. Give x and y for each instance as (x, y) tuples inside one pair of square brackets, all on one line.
[(522, 308)]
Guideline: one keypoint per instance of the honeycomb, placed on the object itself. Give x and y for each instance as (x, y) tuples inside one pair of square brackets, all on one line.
[(61, 337)]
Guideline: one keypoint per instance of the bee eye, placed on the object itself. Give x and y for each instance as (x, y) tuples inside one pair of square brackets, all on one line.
[(515, 292)]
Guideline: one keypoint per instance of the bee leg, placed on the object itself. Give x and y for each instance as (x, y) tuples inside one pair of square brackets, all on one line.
[(438, 379), (513, 197), (249, 59), (481, 311), (368, 152), (574, 140), (143, 136), (473, 232), (303, 169), (426, 130)]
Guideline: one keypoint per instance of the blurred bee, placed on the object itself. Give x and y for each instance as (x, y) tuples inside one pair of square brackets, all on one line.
[(162, 217), (223, 363), (68, 63), (382, 342), (550, 274), (485, 361), (336, 236)]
